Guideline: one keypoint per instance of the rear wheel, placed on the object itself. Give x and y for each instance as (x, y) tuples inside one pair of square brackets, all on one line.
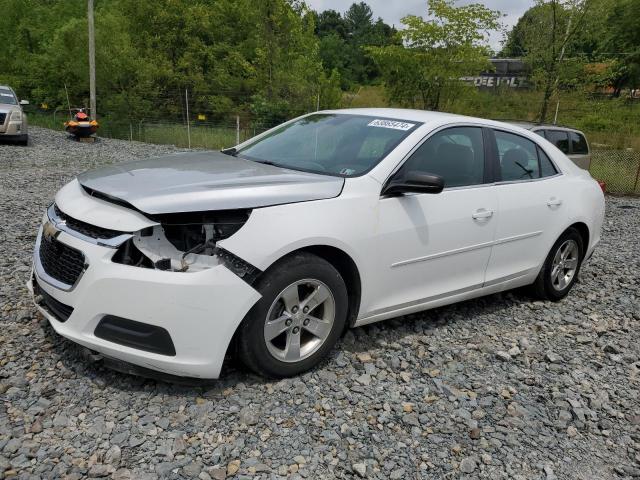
[(297, 321), (561, 267)]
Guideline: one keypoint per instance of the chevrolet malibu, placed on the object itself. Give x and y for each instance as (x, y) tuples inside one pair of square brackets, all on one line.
[(332, 220)]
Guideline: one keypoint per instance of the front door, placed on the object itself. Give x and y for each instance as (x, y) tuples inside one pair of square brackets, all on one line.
[(430, 246)]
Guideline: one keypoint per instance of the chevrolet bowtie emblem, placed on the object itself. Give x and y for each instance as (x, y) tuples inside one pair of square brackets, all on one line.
[(49, 231)]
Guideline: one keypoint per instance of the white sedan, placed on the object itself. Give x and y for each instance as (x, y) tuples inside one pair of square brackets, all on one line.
[(332, 220)]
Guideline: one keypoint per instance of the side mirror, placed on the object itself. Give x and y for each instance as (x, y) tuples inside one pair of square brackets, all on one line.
[(24, 102), (415, 182)]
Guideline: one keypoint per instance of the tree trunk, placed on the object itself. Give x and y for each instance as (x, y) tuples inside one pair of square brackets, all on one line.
[(548, 91)]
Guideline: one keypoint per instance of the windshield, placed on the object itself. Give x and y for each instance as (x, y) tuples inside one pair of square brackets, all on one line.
[(333, 144), (7, 98)]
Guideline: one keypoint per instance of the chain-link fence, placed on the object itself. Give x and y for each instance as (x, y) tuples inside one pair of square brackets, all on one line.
[(619, 169)]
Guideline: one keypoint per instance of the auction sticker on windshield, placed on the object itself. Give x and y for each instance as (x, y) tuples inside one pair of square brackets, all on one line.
[(391, 124)]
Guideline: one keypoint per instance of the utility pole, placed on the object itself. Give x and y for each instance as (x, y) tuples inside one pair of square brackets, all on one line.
[(186, 101), (92, 61)]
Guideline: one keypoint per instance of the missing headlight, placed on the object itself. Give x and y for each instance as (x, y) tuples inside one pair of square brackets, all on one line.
[(129, 254), (186, 242), (189, 231)]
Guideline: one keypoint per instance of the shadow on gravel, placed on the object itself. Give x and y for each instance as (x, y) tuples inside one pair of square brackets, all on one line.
[(78, 362)]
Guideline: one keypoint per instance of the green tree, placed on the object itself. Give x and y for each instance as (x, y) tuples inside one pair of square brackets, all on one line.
[(551, 34), (234, 56), (623, 41), (425, 68), (343, 39)]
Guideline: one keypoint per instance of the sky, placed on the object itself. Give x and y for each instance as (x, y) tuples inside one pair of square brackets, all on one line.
[(392, 11)]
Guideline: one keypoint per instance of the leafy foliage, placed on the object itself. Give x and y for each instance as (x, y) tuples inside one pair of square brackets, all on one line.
[(424, 68), (343, 39), (234, 56)]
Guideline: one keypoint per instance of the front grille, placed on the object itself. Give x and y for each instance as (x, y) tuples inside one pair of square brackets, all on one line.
[(3, 117), (60, 261), (86, 229), (58, 309)]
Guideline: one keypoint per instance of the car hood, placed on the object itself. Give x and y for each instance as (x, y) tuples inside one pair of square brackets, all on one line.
[(6, 108), (199, 181)]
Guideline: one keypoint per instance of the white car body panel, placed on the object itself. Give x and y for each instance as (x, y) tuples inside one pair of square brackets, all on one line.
[(182, 303), (412, 252), (79, 204)]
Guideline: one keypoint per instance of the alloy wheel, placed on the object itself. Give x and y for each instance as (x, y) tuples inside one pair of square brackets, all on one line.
[(299, 320), (565, 264)]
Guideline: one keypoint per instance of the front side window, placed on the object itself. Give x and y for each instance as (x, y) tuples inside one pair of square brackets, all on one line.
[(560, 139), (456, 154), (333, 144), (578, 143)]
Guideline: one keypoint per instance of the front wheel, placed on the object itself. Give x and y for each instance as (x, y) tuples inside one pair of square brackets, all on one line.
[(561, 267), (297, 321)]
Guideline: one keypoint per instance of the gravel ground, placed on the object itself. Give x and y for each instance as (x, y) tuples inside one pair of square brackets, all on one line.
[(500, 387)]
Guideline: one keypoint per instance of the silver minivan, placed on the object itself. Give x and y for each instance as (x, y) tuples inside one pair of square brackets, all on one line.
[(573, 143)]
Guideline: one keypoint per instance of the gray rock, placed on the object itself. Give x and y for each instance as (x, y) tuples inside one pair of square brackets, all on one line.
[(249, 416), (468, 465), (113, 455), (552, 357), (360, 469), (576, 373), (504, 356)]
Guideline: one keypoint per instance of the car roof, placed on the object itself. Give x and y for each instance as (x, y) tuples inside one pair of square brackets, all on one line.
[(400, 114), (535, 125), (434, 119)]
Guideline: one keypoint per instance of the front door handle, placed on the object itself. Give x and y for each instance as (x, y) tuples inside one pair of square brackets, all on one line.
[(554, 202), (482, 213)]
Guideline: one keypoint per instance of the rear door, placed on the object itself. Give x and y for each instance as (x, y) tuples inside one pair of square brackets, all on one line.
[(530, 201)]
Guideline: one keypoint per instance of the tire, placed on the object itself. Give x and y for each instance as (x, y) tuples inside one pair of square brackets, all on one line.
[(548, 285), (303, 274), (24, 140)]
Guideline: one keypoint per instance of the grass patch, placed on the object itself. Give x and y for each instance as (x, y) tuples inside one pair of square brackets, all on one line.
[(202, 135)]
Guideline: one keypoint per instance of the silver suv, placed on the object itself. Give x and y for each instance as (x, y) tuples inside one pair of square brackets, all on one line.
[(570, 141), (13, 121)]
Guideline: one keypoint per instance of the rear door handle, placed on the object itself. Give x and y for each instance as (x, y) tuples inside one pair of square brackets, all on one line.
[(554, 202), (482, 213)]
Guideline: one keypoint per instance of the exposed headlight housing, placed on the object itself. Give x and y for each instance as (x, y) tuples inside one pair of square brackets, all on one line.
[(201, 230), (187, 242)]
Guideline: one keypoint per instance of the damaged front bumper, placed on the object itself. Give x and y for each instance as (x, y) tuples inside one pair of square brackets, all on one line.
[(173, 322)]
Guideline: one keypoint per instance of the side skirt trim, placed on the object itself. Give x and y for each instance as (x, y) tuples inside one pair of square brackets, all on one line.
[(371, 318), (466, 249)]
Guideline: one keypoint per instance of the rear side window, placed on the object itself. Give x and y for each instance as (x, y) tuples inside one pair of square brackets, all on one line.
[(560, 139), (578, 143), (546, 166), (540, 132), (518, 157), (456, 154)]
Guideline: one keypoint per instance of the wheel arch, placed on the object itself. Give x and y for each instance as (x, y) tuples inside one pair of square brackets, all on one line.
[(347, 268), (583, 230), (341, 261)]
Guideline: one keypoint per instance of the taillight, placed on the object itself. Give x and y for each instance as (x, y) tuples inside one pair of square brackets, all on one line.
[(603, 186)]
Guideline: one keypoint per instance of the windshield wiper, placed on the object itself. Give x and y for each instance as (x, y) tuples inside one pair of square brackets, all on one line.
[(230, 151), (268, 162)]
